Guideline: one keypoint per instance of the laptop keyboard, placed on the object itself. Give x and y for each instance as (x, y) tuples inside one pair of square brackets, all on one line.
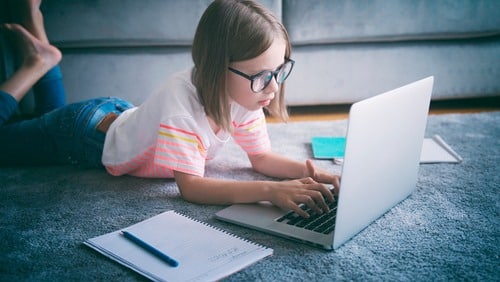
[(322, 223)]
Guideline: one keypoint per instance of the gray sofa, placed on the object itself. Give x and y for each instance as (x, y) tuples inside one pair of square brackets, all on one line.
[(345, 50)]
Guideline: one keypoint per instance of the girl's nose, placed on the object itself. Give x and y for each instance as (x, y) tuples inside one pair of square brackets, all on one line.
[(273, 86)]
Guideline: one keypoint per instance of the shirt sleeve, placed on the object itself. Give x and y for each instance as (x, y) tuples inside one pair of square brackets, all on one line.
[(251, 134), (180, 147)]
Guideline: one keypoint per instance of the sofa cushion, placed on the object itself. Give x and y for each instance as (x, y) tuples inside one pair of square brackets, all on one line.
[(331, 21), (346, 73), (126, 22)]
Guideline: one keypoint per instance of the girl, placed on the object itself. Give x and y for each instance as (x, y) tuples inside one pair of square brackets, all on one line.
[(241, 55)]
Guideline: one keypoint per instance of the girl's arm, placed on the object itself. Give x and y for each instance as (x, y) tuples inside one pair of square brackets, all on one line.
[(285, 194), (275, 165), (306, 186)]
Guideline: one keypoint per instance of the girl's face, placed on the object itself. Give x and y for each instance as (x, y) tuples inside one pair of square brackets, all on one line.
[(239, 87)]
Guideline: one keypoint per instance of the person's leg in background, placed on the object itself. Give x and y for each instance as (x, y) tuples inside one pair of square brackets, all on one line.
[(24, 140), (37, 59), (49, 90), (68, 134)]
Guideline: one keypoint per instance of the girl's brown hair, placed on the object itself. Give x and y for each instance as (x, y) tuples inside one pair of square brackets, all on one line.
[(230, 31)]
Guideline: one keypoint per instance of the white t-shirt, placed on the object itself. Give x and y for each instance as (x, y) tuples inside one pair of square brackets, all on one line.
[(170, 131)]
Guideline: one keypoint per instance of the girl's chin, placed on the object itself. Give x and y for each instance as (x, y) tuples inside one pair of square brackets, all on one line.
[(256, 107)]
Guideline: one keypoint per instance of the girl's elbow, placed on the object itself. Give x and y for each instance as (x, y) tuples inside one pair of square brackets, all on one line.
[(257, 162), (188, 186), (188, 194), (258, 169)]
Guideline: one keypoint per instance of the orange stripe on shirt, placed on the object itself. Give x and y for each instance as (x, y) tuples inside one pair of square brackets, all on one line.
[(180, 130), (180, 147), (249, 122)]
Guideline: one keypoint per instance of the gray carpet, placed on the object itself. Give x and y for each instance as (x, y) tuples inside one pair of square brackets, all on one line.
[(447, 230)]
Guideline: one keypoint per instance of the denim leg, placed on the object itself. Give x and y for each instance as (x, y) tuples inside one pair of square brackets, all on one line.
[(8, 106), (90, 154), (75, 133), (25, 142), (67, 135), (49, 92)]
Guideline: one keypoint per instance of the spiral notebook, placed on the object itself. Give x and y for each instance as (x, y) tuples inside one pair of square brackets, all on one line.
[(202, 251)]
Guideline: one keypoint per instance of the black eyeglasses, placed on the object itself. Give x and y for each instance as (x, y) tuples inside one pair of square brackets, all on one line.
[(261, 80)]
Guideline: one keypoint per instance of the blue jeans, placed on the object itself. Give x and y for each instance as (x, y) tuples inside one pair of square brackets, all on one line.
[(67, 135)]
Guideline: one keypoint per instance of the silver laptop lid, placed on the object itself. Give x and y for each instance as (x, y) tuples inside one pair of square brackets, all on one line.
[(384, 140)]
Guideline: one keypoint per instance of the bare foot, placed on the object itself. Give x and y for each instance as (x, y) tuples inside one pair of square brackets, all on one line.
[(34, 52), (30, 17)]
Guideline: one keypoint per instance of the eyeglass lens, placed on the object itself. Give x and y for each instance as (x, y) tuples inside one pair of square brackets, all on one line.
[(262, 81)]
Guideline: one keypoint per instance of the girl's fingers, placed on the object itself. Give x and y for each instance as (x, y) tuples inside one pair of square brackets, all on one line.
[(296, 208), (336, 186), (314, 200), (307, 180)]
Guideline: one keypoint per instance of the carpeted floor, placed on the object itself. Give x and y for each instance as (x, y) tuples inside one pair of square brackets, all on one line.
[(447, 230)]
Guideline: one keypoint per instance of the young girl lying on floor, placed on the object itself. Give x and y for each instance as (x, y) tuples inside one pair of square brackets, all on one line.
[(241, 55)]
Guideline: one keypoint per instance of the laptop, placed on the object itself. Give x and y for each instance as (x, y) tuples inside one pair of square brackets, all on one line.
[(384, 139)]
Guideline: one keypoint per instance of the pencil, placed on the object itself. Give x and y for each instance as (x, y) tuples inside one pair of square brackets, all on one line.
[(152, 250)]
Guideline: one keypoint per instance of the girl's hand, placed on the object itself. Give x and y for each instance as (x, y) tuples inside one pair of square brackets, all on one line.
[(289, 194), (323, 177)]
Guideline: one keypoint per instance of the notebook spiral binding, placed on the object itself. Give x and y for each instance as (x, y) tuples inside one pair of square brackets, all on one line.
[(221, 230)]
